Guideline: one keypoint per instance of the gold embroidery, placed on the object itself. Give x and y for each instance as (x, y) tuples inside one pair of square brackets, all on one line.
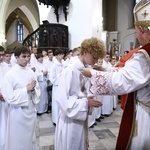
[(135, 132), (141, 103)]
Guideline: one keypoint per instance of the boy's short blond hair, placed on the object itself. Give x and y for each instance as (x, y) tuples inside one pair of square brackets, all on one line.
[(94, 46)]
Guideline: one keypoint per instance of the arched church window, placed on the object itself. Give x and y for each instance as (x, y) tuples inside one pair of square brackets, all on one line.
[(19, 31)]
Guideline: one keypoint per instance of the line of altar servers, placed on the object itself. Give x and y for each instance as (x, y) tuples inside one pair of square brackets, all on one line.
[(48, 67)]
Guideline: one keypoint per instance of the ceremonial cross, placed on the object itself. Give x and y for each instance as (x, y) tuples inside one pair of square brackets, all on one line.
[(145, 14)]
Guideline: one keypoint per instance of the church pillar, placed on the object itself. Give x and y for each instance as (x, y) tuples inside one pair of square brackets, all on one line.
[(3, 9), (97, 18)]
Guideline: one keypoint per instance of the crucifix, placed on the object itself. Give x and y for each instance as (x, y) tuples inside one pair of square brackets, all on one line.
[(145, 14)]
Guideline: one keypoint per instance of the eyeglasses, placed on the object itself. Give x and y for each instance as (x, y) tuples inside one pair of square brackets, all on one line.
[(95, 58), (1, 55), (50, 51), (7, 55), (25, 56)]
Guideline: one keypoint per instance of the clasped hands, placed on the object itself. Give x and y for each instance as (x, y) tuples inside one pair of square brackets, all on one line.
[(31, 86)]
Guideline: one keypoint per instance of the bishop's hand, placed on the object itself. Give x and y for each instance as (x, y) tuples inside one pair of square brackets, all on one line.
[(99, 68), (86, 72)]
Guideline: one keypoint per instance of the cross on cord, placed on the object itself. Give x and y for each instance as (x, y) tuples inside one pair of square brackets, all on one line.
[(145, 14)]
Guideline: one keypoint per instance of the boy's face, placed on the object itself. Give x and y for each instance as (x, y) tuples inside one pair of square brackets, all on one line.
[(99, 62), (1, 56), (7, 57), (50, 55), (44, 53), (34, 50), (60, 57), (89, 59), (107, 58), (23, 59), (76, 53), (40, 59)]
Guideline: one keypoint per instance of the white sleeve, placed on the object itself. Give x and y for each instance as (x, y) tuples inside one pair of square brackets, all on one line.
[(71, 105), (133, 76), (18, 97)]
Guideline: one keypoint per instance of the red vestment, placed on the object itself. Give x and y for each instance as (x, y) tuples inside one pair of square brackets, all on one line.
[(128, 117), (121, 64)]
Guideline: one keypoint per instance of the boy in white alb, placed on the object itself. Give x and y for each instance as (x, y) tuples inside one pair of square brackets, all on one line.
[(3, 104), (22, 95), (73, 100)]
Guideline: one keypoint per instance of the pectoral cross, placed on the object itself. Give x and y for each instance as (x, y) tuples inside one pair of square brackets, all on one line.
[(145, 14)]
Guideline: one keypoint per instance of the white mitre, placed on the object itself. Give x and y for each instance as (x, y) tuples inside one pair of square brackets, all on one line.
[(142, 13)]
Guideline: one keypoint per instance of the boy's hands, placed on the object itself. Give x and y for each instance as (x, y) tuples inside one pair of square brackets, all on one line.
[(92, 102), (30, 87)]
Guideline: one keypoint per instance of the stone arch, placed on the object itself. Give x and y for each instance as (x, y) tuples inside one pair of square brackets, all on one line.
[(27, 11), (18, 14)]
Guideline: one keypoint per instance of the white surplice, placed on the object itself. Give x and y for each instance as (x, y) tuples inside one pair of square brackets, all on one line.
[(115, 101), (21, 123), (42, 80), (8, 66), (33, 60), (55, 72), (134, 76), (13, 60), (70, 133), (48, 63), (107, 100), (91, 117), (98, 110), (3, 109)]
